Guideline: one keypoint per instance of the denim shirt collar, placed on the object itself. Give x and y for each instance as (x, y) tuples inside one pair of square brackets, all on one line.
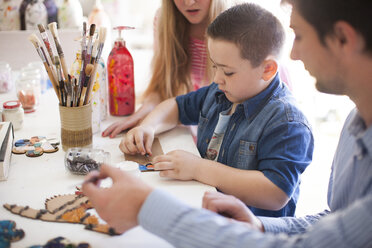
[(253, 105)]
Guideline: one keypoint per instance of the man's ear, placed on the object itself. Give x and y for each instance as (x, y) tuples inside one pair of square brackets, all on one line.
[(347, 38), (270, 68)]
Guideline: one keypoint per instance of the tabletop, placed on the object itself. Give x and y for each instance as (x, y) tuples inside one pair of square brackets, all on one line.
[(32, 180)]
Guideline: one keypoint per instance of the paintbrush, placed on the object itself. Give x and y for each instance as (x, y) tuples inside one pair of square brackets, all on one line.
[(53, 29), (45, 38), (83, 64), (88, 73), (92, 29), (60, 80), (94, 51), (102, 38), (37, 44)]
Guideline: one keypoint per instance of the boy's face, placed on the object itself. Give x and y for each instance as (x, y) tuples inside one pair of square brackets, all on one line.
[(194, 11), (233, 74), (320, 60)]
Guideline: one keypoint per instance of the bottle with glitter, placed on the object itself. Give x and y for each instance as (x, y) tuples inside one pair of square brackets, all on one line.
[(120, 78)]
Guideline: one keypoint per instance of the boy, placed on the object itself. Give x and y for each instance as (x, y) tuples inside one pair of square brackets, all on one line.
[(253, 140)]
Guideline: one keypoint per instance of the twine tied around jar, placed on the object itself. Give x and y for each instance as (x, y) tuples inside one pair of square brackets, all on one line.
[(76, 126)]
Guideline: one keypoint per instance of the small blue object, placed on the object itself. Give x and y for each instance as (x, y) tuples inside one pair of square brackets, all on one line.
[(8, 233), (22, 142), (146, 167)]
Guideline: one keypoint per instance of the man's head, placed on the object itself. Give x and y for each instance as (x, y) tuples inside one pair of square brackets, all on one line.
[(332, 39), (243, 43), (324, 14)]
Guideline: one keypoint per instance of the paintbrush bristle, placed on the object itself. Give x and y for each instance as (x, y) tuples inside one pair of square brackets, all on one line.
[(34, 40), (41, 28), (53, 28), (102, 35), (92, 29), (89, 69)]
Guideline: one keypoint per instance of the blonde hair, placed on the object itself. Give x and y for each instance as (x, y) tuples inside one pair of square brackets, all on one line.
[(171, 60)]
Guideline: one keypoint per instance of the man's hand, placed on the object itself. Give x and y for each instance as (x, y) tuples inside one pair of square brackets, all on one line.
[(231, 207), (120, 204)]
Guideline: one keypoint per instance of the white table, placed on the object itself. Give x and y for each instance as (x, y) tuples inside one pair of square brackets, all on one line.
[(32, 180)]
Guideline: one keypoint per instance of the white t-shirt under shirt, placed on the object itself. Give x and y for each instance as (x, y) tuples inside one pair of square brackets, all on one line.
[(217, 137)]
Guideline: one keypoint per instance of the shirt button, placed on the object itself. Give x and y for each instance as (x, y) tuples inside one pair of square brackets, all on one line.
[(207, 141)]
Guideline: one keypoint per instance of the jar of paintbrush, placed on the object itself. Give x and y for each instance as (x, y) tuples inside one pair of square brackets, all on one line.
[(74, 90)]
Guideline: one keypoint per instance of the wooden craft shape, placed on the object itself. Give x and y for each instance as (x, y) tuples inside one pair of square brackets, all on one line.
[(70, 208)]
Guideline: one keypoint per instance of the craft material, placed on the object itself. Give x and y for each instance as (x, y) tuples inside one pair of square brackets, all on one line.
[(53, 29), (61, 242), (102, 38), (68, 88), (5, 77), (9, 233), (129, 167), (69, 208), (48, 66), (88, 72), (6, 141), (76, 126), (145, 161), (81, 161), (13, 112), (146, 168), (28, 90), (35, 146), (121, 78)]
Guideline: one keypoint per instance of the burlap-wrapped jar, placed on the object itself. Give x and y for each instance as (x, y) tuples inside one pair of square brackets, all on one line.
[(76, 126)]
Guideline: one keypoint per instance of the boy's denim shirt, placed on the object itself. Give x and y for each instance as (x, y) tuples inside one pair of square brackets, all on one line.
[(267, 133)]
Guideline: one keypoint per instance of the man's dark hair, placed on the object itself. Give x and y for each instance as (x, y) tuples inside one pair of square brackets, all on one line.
[(256, 31), (323, 14)]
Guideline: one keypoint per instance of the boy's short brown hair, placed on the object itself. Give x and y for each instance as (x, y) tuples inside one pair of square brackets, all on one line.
[(256, 31)]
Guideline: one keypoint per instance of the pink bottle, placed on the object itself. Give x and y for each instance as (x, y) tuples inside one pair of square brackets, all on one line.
[(120, 78)]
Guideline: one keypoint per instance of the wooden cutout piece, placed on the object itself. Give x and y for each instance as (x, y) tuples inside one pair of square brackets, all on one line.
[(143, 160), (64, 208)]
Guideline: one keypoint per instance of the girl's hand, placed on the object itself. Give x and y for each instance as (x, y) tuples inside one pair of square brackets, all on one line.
[(138, 140), (177, 164)]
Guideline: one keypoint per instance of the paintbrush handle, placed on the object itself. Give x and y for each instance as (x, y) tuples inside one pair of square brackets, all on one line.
[(90, 85), (64, 66), (83, 92)]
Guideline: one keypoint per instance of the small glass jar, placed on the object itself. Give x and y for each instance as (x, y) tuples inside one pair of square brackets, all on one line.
[(81, 161), (13, 112), (5, 77), (28, 94)]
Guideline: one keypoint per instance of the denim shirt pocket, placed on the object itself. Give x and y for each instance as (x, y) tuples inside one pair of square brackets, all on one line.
[(247, 155), (202, 122)]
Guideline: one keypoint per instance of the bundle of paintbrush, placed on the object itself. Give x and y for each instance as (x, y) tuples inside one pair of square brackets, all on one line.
[(71, 91)]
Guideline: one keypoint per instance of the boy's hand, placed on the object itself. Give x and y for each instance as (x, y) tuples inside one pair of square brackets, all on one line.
[(231, 207), (177, 164), (138, 140), (120, 204)]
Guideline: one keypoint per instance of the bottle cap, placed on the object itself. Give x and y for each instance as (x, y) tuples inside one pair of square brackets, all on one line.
[(11, 104)]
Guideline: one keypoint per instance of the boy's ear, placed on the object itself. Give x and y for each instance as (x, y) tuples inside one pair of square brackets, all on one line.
[(270, 68)]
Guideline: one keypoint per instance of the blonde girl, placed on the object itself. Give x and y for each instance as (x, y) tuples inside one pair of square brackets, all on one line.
[(180, 61)]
